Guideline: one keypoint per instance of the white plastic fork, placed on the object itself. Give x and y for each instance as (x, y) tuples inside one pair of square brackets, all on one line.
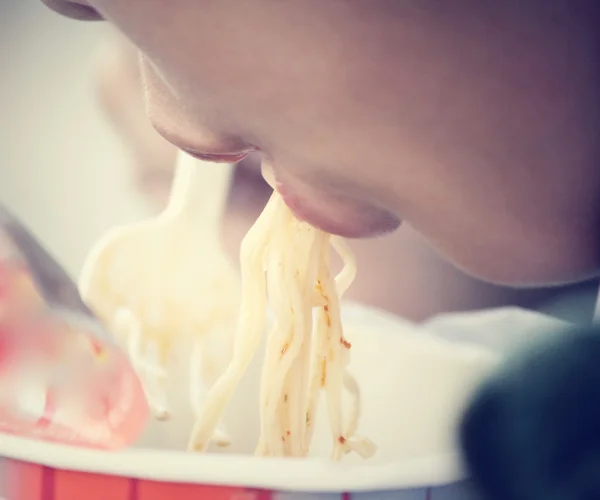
[(162, 279)]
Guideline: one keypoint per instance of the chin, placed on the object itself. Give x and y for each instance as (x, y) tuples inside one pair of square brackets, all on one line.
[(531, 264), (522, 277)]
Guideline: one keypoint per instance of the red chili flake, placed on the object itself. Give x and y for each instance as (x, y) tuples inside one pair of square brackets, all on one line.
[(327, 315), (284, 349), (96, 348), (288, 433), (345, 343), (342, 439), (323, 372)]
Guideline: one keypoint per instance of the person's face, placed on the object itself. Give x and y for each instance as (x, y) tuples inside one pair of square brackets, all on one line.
[(475, 121)]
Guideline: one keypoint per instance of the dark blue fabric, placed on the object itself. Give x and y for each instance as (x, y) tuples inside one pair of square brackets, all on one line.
[(532, 431)]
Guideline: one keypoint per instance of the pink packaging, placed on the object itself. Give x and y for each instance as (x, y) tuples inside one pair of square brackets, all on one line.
[(62, 379)]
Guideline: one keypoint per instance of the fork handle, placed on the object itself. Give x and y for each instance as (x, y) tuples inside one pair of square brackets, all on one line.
[(199, 192)]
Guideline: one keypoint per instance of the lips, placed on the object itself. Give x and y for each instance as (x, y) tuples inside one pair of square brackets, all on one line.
[(341, 217)]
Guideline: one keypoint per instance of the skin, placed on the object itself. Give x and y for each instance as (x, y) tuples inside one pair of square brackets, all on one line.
[(118, 88), (474, 121), (399, 272)]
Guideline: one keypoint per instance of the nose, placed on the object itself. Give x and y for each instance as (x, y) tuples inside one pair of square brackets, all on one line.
[(74, 9), (186, 129)]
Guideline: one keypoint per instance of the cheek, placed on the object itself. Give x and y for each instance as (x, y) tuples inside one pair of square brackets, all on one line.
[(133, 17)]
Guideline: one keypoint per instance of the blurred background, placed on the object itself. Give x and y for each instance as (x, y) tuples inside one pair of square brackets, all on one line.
[(67, 174), (63, 170)]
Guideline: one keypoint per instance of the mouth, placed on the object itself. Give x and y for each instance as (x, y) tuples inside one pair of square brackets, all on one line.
[(334, 214), (249, 193)]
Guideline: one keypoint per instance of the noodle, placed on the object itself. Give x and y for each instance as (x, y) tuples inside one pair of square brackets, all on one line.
[(288, 262)]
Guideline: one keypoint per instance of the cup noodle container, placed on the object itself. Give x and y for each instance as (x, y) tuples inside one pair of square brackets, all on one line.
[(415, 381)]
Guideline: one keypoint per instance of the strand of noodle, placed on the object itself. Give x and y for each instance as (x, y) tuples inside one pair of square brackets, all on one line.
[(307, 279), (310, 381), (283, 415), (289, 345), (249, 329), (318, 369), (318, 374), (335, 371), (199, 371), (290, 391), (279, 411), (273, 269), (348, 273), (352, 387), (289, 405), (343, 282), (295, 387), (360, 445), (301, 374), (285, 349), (277, 363), (307, 356), (262, 448), (285, 409), (297, 364)]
